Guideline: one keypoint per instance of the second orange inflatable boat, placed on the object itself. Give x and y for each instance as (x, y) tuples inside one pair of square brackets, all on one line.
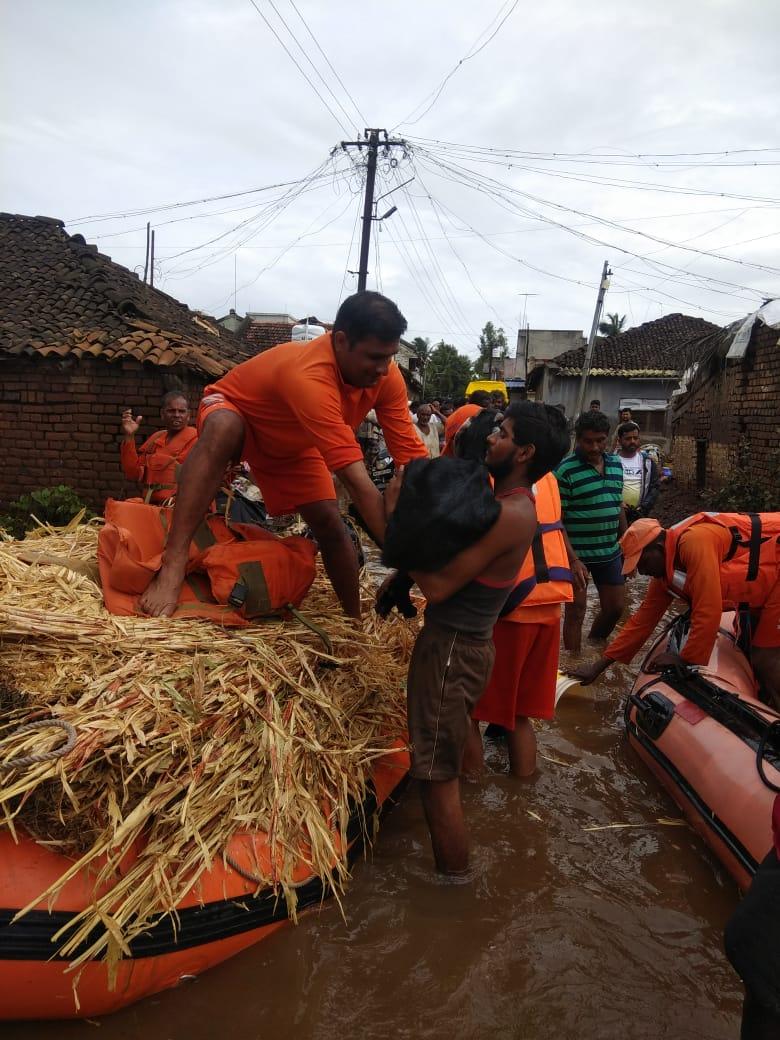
[(712, 744), (223, 915)]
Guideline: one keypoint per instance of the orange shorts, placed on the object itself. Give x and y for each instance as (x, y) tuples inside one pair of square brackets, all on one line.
[(285, 483), (767, 631), (524, 675)]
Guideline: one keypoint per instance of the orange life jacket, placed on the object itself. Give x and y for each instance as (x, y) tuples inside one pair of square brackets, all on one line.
[(234, 573), (161, 462), (750, 568), (544, 576)]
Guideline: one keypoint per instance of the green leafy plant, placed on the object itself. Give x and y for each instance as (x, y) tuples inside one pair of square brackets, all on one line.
[(744, 491), (55, 505)]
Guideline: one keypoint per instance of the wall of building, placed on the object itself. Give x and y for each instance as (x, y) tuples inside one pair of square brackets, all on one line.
[(544, 345), (737, 404), (610, 390), (59, 421)]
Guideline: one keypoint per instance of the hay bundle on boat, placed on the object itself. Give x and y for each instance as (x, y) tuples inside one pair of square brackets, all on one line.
[(177, 735)]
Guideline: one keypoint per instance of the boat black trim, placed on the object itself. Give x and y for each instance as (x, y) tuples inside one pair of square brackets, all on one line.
[(30, 939), (709, 817)]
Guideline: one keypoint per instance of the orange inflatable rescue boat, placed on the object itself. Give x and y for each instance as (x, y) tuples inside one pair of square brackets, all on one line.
[(712, 744), (223, 915)]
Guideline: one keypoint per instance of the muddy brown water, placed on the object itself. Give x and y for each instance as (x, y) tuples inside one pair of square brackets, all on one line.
[(560, 933)]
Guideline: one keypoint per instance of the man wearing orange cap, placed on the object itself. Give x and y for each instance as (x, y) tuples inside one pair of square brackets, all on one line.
[(716, 562), (477, 401)]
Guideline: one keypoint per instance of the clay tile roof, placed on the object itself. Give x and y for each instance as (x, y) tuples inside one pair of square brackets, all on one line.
[(657, 348), (59, 296)]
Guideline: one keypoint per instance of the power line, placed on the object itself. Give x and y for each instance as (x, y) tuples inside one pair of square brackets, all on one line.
[(472, 53), (143, 211), (319, 75), (494, 188), (330, 66), (299, 68), (623, 157)]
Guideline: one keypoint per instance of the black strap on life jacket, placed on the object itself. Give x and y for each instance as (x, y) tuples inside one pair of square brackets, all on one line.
[(542, 572), (752, 543)]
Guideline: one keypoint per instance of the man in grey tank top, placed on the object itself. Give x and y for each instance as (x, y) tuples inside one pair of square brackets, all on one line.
[(453, 655)]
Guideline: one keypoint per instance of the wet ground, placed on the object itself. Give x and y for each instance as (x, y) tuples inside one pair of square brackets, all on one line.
[(562, 932)]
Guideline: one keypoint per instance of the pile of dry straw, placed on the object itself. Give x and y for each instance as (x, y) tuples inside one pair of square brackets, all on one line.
[(184, 734)]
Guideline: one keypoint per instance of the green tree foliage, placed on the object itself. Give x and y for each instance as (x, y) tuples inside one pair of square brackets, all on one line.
[(55, 505), (613, 325), (492, 343), (447, 373), (421, 346)]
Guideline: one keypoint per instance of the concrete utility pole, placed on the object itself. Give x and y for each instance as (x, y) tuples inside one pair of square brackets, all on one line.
[(374, 141), (603, 286)]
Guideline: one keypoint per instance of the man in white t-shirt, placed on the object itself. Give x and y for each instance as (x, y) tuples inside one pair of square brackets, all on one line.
[(640, 473)]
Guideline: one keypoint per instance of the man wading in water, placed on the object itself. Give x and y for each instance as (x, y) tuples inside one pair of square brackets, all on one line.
[(291, 413), (453, 655)]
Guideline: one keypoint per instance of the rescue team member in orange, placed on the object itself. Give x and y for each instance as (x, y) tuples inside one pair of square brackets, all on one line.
[(717, 562), (153, 466), (477, 401), (527, 635), (291, 413)]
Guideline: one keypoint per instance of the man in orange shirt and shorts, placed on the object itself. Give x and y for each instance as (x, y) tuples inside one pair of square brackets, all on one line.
[(291, 413)]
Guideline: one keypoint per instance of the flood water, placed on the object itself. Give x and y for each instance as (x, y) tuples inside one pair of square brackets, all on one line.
[(562, 932)]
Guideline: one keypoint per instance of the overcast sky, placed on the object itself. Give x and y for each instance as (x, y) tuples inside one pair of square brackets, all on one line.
[(111, 107)]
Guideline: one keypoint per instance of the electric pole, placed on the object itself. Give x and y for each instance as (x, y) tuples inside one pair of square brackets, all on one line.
[(374, 141), (603, 286)]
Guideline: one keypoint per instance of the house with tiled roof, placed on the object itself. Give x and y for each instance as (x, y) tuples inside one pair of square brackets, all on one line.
[(81, 338), (638, 369)]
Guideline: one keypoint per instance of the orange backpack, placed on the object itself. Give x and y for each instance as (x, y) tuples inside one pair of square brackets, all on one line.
[(235, 572)]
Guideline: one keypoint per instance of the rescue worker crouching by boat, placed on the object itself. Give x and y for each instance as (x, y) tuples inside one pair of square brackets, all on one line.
[(291, 413), (716, 562), (154, 466)]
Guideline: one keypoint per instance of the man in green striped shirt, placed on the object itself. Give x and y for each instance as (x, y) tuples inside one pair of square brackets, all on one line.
[(591, 486)]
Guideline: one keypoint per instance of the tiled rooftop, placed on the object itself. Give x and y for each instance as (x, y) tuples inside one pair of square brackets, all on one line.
[(60, 297), (657, 348)]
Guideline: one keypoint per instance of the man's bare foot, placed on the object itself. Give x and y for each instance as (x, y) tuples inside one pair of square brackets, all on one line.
[(162, 594)]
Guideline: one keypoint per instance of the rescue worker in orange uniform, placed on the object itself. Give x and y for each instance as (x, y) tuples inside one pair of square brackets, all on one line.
[(476, 402), (716, 562), (154, 465), (291, 413)]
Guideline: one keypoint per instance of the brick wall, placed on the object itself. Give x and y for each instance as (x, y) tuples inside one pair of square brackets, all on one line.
[(740, 401), (59, 421)]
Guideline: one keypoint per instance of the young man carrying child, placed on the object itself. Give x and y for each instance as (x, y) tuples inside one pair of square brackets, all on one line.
[(453, 655)]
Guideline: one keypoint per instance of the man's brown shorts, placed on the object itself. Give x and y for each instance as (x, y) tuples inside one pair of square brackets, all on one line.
[(447, 674)]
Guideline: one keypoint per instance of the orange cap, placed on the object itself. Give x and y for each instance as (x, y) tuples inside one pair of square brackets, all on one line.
[(639, 535)]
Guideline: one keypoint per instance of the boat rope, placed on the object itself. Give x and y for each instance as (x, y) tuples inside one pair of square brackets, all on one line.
[(772, 729), (22, 761), (256, 879)]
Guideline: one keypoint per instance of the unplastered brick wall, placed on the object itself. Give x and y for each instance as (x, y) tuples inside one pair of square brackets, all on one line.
[(738, 404), (59, 421)]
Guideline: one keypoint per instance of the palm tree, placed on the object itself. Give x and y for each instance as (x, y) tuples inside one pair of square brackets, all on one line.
[(613, 326)]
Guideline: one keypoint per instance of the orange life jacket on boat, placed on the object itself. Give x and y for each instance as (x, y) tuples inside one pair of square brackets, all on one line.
[(544, 576), (750, 568), (234, 573)]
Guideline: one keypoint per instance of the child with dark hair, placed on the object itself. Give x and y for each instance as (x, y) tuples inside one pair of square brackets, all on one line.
[(453, 655), (590, 481)]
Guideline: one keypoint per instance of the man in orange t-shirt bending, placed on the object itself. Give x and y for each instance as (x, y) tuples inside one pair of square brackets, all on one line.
[(716, 562), (291, 413)]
